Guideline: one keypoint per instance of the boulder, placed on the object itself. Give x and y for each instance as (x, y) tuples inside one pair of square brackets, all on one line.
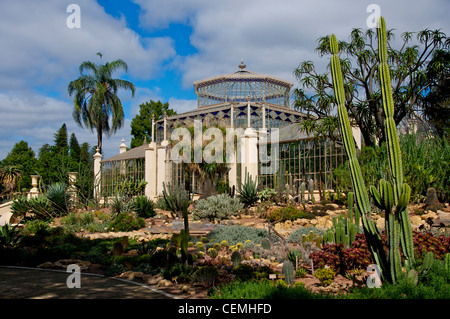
[(428, 215), (431, 201)]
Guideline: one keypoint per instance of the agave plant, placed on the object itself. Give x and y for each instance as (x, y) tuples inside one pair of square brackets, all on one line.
[(59, 197), (248, 191)]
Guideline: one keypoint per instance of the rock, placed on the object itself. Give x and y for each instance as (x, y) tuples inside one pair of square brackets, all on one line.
[(443, 215), (381, 222), (431, 201), (323, 222), (153, 280), (164, 283), (416, 220), (428, 215)]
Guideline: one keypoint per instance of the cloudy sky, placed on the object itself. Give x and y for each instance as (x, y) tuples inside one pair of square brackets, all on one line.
[(167, 45)]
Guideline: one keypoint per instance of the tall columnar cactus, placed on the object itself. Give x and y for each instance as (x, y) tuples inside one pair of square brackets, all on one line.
[(393, 199), (288, 272)]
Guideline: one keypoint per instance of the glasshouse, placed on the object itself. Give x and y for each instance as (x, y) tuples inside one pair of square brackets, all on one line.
[(257, 107)]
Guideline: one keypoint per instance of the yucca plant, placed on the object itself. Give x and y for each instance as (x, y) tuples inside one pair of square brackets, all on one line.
[(175, 198), (393, 196), (59, 197), (9, 235), (143, 207), (248, 191)]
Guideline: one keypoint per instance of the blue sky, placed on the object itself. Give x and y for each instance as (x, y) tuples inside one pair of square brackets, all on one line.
[(167, 45)]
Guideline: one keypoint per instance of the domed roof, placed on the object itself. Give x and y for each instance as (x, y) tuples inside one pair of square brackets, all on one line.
[(242, 75)]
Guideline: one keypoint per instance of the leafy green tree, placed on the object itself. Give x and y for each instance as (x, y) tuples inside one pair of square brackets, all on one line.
[(23, 158), (141, 125), (96, 104), (61, 137), (74, 149), (436, 103), (359, 63)]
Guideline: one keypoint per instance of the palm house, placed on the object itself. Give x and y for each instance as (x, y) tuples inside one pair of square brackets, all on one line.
[(255, 105)]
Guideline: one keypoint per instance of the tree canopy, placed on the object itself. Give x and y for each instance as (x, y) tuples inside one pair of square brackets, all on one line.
[(96, 104), (141, 125), (359, 61)]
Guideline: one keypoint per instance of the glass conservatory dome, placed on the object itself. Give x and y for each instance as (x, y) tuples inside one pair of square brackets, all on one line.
[(242, 86)]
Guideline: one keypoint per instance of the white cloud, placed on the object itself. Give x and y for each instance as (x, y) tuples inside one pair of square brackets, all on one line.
[(274, 36)]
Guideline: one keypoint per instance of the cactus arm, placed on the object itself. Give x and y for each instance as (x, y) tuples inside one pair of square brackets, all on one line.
[(362, 199)]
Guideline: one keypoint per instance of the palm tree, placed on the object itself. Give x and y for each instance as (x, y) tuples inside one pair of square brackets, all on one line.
[(10, 175), (96, 100)]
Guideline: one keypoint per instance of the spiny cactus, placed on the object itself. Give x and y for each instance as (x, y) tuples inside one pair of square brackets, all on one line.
[(288, 272), (236, 258), (265, 243), (447, 261), (392, 197), (212, 252), (344, 230)]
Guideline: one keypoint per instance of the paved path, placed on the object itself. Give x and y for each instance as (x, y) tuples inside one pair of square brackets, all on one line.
[(33, 283)]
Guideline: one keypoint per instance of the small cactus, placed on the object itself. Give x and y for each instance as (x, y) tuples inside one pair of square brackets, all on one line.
[(265, 243), (212, 252), (236, 258), (447, 261), (288, 272)]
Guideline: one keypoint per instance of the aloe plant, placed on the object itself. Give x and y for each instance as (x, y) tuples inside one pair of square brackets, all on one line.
[(393, 196), (248, 191)]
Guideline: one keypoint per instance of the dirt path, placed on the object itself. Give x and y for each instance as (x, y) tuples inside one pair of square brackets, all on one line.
[(31, 283)]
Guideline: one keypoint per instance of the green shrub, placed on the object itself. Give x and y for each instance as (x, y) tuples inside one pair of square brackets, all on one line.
[(325, 275), (288, 213), (205, 275), (217, 207), (143, 207), (126, 222), (248, 191), (39, 207), (33, 226), (264, 289), (238, 234), (59, 197)]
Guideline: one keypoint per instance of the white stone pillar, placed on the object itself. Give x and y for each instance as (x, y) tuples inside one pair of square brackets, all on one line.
[(34, 191), (97, 174), (249, 153), (72, 188), (249, 113), (162, 166), (153, 128), (151, 171), (122, 147)]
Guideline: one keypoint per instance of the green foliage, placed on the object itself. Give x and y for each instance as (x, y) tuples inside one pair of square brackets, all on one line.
[(176, 197), (394, 193), (217, 208), (143, 207), (22, 156), (238, 234), (9, 235), (288, 272), (205, 275), (264, 289), (288, 213), (59, 197), (248, 191), (126, 222), (422, 160), (95, 97), (268, 194), (38, 207), (141, 125), (325, 275), (265, 243), (344, 230), (236, 258)]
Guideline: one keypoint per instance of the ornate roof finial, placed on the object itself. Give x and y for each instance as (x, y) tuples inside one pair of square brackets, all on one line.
[(242, 66)]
